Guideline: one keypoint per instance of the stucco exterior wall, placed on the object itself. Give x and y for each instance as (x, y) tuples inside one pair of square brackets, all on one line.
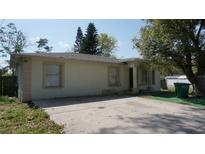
[(156, 86), (80, 78), (24, 73)]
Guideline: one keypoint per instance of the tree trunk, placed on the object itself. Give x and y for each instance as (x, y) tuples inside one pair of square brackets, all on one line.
[(198, 84), (196, 91)]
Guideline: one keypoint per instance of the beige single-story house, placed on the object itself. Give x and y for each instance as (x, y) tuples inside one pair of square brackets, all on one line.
[(55, 75)]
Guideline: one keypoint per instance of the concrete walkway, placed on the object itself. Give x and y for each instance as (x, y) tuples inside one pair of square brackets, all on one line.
[(123, 115)]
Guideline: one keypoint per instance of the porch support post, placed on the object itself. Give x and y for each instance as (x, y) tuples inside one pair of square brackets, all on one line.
[(134, 79)]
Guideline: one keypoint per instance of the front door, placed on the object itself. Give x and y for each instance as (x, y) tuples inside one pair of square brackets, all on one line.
[(131, 78)]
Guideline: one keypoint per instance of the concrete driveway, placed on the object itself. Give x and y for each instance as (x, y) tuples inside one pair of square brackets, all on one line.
[(123, 115)]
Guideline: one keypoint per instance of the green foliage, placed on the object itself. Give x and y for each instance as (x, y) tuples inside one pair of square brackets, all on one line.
[(6, 100), (78, 41), (3, 70), (11, 40), (42, 45), (166, 68), (90, 41), (106, 45), (19, 118), (168, 96), (178, 42)]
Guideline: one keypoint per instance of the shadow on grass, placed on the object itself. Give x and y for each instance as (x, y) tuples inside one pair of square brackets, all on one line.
[(171, 97)]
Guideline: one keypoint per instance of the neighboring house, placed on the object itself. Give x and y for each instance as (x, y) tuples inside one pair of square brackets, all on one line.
[(53, 75), (170, 80)]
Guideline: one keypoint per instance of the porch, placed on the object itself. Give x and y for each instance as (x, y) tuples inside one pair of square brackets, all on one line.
[(143, 77)]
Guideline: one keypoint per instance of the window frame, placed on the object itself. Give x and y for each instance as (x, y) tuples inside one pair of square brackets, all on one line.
[(60, 74), (117, 79)]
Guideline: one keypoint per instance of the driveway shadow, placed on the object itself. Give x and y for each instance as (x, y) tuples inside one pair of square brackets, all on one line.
[(76, 100), (160, 123)]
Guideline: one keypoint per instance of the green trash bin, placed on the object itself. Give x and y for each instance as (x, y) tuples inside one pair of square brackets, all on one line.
[(181, 89)]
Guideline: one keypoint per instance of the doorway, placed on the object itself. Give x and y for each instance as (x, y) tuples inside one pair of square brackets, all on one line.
[(131, 78)]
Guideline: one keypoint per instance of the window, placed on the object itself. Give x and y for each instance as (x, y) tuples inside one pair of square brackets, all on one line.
[(144, 77), (113, 76), (52, 75), (153, 77)]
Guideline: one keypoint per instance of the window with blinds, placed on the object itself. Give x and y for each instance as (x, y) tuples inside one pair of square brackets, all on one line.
[(113, 76), (52, 75)]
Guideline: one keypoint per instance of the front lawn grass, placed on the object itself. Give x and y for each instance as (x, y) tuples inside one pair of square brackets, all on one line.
[(20, 118), (170, 96)]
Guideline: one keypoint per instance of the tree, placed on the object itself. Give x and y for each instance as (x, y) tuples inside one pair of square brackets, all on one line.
[(12, 40), (179, 42), (42, 45), (166, 68), (3, 70), (78, 41), (90, 41), (106, 45)]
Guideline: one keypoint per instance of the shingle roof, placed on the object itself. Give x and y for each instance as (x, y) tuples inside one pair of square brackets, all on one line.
[(78, 56)]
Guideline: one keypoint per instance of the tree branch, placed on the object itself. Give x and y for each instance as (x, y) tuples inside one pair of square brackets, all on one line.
[(199, 31)]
